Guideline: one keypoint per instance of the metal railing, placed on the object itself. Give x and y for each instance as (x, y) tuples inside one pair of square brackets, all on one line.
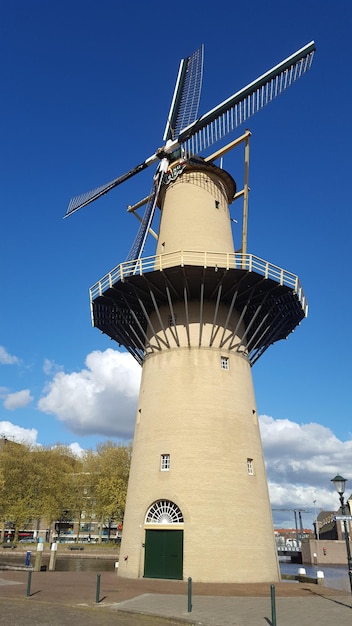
[(217, 260), (288, 549)]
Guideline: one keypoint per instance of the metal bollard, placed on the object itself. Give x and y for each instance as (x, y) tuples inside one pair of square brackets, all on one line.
[(273, 606), (29, 584), (97, 593), (189, 595)]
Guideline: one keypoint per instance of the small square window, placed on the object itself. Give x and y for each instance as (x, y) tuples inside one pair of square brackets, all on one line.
[(165, 462), (224, 363), (250, 467)]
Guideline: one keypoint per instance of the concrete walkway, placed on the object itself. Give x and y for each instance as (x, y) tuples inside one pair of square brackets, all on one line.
[(251, 611), (59, 598)]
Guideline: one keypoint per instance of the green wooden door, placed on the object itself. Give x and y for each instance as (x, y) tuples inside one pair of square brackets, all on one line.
[(164, 554)]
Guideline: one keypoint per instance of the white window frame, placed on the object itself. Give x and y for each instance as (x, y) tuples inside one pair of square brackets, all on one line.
[(164, 462), (250, 466), (225, 363), (164, 512)]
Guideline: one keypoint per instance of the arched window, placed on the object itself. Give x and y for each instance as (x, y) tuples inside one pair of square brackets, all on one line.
[(164, 512)]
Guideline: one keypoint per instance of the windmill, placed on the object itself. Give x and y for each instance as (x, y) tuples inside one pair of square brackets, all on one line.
[(197, 315), (189, 135)]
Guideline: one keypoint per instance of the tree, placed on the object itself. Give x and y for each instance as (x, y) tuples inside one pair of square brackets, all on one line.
[(36, 482), (56, 468), (2, 493), (108, 469), (54, 484), (18, 470)]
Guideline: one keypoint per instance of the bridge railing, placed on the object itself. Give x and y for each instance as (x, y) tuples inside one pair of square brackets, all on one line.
[(288, 549)]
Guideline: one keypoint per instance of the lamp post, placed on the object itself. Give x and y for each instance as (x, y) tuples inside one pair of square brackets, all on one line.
[(339, 484), (316, 520)]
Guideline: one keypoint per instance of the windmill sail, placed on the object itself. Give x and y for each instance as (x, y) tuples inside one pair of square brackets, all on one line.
[(78, 202), (237, 109), (185, 101), (183, 111), (202, 133), (139, 242)]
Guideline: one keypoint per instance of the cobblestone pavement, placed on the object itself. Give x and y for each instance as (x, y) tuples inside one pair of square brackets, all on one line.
[(69, 598), (22, 613)]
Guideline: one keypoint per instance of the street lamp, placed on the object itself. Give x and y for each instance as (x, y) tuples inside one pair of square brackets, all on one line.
[(316, 520), (339, 484)]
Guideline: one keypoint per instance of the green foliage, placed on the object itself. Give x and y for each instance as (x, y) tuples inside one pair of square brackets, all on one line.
[(108, 469), (54, 484), (18, 504), (55, 468)]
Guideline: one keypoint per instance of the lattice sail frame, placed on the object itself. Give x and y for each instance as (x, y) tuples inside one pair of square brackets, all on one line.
[(218, 122), (183, 111), (186, 98), (139, 242), (233, 112)]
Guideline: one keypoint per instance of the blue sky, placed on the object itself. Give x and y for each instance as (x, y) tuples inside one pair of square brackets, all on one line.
[(85, 90)]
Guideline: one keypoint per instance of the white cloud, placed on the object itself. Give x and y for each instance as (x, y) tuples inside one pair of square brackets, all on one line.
[(6, 358), (18, 434), (17, 400), (100, 399), (76, 449), (300, 460), (50, 367)]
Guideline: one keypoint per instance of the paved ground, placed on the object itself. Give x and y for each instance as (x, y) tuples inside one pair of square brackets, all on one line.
[(69, 598)]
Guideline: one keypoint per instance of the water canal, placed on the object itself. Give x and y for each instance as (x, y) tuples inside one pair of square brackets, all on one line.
[(335, 576), (72, 563)]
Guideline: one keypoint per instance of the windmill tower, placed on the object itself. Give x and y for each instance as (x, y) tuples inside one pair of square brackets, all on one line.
[(196, 316)]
